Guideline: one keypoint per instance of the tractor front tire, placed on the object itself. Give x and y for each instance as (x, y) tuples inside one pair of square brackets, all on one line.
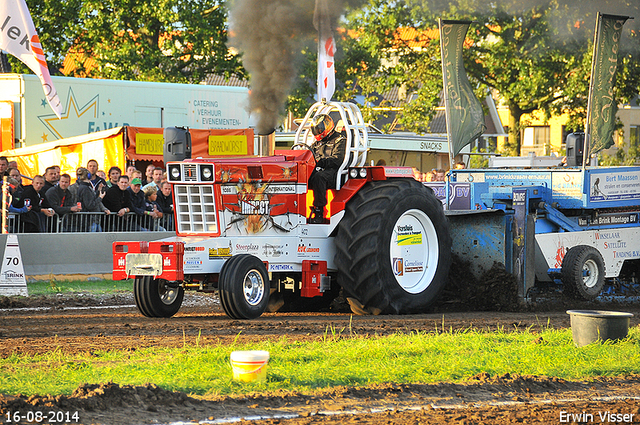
[(244, 287), (393, 248), (582, 272), (157, 297)]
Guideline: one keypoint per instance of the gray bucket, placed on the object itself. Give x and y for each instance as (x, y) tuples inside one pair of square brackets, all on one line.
[(589, 326)]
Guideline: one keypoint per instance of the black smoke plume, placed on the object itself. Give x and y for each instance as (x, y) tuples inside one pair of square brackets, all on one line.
[(270, 35)]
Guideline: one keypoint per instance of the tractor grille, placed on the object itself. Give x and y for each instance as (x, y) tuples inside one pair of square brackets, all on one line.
[(190, 173), (195, 209)]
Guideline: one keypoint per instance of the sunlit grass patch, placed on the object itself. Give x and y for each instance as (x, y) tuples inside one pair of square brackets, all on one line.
[(96, 286), (339, 359)]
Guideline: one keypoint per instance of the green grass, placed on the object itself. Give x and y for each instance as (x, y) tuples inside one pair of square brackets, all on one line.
[(81, 286), (337, 360)]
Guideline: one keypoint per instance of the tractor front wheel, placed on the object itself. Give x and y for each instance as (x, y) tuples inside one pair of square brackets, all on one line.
[(393, 248), (243, 286), (157, 297)]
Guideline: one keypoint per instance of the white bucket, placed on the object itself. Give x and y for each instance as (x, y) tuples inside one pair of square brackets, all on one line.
[(249, 366)]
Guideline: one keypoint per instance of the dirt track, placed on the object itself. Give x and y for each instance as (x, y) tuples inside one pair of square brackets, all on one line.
[(42, 324)]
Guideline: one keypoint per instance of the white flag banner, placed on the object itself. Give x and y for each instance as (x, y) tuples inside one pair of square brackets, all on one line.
[(18, 37), (326, 50)]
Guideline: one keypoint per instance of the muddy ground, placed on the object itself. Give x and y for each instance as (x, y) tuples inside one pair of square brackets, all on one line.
[(83, 323)]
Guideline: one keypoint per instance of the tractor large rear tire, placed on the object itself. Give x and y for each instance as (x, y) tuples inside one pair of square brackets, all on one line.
[(393, 247)]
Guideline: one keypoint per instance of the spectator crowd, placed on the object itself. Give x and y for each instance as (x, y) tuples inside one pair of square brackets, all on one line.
[(96, 201)]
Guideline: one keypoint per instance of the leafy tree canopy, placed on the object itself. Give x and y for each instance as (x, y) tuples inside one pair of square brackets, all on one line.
[(165, 40), (536, 55)]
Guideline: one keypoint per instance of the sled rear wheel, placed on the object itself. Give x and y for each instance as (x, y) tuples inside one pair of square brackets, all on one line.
[(583, 272)]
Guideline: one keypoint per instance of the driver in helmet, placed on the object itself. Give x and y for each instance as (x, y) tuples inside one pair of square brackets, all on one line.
[(328, 150)]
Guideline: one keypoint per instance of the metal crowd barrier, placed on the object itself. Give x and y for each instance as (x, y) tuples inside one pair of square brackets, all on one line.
[(83, 222)]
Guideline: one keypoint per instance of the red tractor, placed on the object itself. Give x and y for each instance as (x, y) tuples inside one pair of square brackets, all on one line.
[(242, 229)]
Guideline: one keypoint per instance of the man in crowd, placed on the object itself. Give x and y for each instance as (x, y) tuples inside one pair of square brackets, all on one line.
[(130, 169), (114, 176), (118, 200), (156, 179), (440, 175), (165, 202), (51, 178), (83, 191), (34, 220), (4, 166), (60, 199), (148, 174), (138, 201), (96, 181), (15, 174)]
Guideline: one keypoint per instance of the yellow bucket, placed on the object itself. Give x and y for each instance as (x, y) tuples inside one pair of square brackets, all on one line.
[(249, 366)]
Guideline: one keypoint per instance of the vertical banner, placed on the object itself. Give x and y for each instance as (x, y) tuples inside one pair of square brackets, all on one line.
[(601, 108), (18, 37), (326, 51), (465, 118)]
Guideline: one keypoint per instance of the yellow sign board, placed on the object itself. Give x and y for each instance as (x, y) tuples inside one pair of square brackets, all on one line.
[(149, 144), (568, 184), (227, 145)]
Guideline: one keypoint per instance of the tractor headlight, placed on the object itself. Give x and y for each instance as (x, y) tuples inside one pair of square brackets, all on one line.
[(174, 172), (206, 173), (355, 173)]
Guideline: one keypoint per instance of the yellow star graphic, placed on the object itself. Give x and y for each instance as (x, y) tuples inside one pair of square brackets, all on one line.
[(45, 137), (90, 107)]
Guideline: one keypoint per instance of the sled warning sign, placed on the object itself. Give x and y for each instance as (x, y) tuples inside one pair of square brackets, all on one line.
[(12, 279)]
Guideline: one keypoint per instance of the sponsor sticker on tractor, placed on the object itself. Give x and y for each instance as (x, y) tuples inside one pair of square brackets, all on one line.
[(219, 252), (409, 251), (407, 236), (398, 266)]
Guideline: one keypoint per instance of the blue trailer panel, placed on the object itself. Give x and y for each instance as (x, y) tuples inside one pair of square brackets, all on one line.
[(545, 213)]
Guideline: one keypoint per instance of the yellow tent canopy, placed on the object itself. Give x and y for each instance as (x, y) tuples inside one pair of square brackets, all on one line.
[(114, 146), (106, 147)]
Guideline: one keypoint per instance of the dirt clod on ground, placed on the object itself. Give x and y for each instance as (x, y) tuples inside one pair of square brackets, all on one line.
[(506, 397), (494, 291)]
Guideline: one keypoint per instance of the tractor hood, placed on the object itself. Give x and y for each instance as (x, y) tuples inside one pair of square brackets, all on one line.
[(284, 166)]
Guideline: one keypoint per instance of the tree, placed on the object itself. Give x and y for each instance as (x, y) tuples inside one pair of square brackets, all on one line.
[(56, 22), (536, 58), (166, 40), (540, 59), (525, 60), (376, 60)]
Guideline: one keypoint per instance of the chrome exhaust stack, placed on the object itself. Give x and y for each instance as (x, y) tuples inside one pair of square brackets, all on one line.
[(267, 143)]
